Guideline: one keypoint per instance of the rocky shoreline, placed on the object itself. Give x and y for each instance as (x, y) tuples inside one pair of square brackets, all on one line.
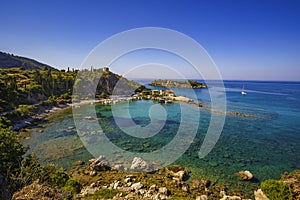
[(101, 181), (167, 183)]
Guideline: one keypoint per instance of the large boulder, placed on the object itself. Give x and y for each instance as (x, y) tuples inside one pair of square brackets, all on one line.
[(139, 165), (259, 195), (245, 175), (137, 186), (177, 173), (99, 164)]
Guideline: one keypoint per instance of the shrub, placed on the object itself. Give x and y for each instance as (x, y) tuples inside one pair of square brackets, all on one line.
[(48, 103), (59, 178), (72, 186), (103, 95), (11, 152), (26, 110), (276, 190)]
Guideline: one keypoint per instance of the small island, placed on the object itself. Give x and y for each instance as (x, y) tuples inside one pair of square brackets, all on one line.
[(178, 84)]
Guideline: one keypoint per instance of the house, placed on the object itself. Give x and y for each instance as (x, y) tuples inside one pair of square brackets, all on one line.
[(169, 93)]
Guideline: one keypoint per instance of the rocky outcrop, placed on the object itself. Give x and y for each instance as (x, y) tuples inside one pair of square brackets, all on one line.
[(244, 175), (165, 183), (99, 164), (228, 197), (293, 180), (259, 195), (177, 173), (139, 165), (134, 190), (37, 191)]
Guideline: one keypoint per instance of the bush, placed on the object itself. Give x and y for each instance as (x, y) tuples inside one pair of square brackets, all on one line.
[(103, 95), (72, 186), (276, 190), (11, 152), (48, 103), (26, 110), (59, 178)]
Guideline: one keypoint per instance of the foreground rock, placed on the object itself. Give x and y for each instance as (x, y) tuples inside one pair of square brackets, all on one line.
[(39, 192), (167, 183), (259, 195), (293, 180)]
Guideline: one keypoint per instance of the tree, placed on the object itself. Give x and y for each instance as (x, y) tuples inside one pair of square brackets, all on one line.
[(11, 152)]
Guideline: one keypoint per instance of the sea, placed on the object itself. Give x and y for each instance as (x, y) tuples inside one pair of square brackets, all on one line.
[(266, 141)]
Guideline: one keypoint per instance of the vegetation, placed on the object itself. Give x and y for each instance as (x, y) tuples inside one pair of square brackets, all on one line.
[(72, 186), (59, 178), (276, 189), (11, 151), (11, 61), (178, 84), (24, 92), (29, 87), (104, 194), (20, 172)]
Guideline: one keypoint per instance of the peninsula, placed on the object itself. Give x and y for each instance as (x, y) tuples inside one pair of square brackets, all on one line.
[(178, 84)]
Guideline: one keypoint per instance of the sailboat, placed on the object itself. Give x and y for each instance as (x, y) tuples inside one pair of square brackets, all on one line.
[(243, 92)]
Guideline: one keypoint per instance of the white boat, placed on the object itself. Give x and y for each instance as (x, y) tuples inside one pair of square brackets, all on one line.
[(243, 92)]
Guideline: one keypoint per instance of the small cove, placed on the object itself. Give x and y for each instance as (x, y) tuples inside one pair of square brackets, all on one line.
[(267, 145)]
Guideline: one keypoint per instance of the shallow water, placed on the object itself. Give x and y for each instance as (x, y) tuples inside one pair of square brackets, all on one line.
[(267, 144)]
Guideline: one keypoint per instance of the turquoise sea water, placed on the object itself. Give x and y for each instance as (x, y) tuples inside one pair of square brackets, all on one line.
[(267, 144)]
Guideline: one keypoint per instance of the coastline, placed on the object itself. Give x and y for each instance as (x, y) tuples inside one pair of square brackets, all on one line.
[(42, 114), (54, 109)]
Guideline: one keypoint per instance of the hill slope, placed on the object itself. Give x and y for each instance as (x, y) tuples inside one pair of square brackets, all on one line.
[(12, 61)]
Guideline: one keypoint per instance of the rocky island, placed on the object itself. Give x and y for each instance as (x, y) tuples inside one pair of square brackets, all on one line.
[(178, 84)]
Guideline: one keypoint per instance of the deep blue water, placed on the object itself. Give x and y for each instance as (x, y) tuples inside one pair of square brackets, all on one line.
[(267, 144)]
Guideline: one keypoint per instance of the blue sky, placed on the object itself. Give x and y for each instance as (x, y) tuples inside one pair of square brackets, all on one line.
[(247, 39)]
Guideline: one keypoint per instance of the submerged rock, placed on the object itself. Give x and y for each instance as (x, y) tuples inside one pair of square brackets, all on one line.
[(201, 184), (177, 173), (78, 163)]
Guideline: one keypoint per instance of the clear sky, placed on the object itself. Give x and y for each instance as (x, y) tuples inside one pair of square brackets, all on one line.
[(247, 39)]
